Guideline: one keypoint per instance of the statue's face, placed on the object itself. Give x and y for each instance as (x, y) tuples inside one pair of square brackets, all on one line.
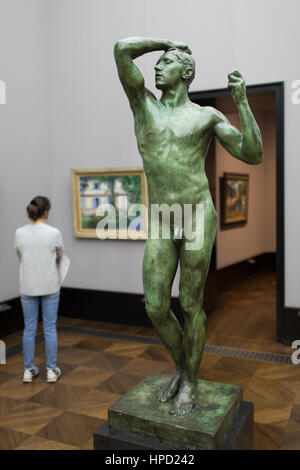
[(168, 71)]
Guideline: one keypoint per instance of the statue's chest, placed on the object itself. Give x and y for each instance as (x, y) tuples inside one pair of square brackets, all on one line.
[(169, 128)]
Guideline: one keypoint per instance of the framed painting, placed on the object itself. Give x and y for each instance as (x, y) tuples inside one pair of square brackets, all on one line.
[(110, 203), (234, 192)]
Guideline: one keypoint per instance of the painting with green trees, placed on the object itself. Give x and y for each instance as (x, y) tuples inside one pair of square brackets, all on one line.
[(115, 196)]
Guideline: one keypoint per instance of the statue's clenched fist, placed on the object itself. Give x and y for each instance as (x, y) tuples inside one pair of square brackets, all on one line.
[(236, 84)]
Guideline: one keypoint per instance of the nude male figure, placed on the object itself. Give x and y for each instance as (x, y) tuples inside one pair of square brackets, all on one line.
[(173, 136)]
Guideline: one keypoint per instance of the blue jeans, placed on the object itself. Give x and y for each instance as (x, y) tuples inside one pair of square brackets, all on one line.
[(30, 305)]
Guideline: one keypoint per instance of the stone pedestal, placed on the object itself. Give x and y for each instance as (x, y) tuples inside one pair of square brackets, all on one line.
[(137, 421)]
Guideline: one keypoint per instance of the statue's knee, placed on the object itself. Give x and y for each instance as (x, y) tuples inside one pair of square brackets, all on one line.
[(192, 310), (186, 307), (156, 311)]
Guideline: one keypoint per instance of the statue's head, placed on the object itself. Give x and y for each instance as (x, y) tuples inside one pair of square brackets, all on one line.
[(174, 67)]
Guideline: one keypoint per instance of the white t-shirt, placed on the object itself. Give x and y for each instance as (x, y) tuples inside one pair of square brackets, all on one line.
[(36, 246)]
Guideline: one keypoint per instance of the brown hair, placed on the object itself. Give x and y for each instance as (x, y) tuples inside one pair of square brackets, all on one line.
[(37, 207)]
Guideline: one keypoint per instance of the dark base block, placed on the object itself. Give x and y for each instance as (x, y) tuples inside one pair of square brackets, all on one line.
[(239, 437)]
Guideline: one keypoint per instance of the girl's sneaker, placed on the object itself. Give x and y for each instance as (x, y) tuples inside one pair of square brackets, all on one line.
[(29, 374), (53, 374)]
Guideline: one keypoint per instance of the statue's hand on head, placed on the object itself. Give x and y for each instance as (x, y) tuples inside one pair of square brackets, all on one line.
[(236, 84), (182, 46)]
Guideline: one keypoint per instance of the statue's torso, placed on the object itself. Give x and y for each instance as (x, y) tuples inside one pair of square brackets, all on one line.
[(173, 144)]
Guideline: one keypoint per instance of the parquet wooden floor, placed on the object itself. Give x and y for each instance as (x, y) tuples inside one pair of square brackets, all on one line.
[(246, 316), (97, 371)]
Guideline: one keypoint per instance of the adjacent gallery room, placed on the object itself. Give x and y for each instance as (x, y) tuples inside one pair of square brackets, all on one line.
[(114, 336)]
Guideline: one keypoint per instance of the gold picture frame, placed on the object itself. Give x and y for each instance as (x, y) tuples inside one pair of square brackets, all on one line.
[(102, 195)]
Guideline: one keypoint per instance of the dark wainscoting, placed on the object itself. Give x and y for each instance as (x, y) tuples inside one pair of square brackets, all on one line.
[(111, 307)]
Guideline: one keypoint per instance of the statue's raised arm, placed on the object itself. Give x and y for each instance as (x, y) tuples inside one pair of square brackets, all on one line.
[(126, 50), (245, 145)]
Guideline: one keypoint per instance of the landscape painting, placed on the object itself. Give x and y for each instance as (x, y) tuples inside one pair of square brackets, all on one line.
[(234, 200), (109, 203)]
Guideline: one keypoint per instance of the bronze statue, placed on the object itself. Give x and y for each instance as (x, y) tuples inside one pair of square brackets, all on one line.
[(173, 136)]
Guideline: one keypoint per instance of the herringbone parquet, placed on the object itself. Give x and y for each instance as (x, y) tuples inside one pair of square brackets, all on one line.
[(97, 371)]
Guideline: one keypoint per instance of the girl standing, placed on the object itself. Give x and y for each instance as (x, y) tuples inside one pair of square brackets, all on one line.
[(39, 247)]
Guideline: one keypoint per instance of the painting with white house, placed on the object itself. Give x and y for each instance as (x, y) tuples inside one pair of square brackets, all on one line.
[(109, 203)]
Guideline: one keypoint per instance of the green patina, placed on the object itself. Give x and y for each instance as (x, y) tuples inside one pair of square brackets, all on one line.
[(173, 136), (139, 412)]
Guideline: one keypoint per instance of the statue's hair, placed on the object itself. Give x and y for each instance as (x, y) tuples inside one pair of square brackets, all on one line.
[(187, 60)]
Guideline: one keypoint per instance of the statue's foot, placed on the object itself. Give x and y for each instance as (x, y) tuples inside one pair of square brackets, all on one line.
[(169, 391), (185, 400)]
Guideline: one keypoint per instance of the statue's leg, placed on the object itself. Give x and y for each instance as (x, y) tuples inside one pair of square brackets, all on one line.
[(194, 266), (159, 269)]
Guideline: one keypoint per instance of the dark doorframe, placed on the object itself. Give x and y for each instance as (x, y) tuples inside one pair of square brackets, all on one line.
[(285, 319)]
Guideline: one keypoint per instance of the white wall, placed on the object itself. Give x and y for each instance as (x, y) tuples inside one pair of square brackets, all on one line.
[(90, 120), (24, 158), (91, 127)]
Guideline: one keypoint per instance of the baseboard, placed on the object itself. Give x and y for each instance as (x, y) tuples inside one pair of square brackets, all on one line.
[(111, 307)]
